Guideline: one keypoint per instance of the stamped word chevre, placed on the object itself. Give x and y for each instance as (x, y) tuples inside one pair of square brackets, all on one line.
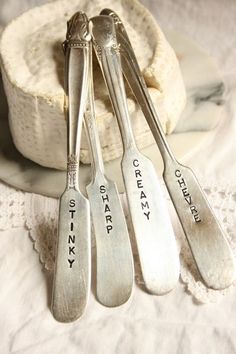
[(187, 196)]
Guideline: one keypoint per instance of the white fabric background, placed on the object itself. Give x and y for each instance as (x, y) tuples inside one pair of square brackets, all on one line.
[(145, 325), (212, 25)]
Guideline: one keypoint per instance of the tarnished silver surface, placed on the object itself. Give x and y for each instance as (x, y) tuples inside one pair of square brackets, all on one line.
[(73, 259), (205, 236), (115, 272), (153, 230)]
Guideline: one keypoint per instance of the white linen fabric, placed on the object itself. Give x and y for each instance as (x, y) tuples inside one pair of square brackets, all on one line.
[(174, 323), (39, 215)]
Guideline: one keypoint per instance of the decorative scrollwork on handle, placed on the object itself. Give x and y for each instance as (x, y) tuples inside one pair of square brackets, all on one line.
[(98, 49), (77, 27), (72, 170), (77, 35)]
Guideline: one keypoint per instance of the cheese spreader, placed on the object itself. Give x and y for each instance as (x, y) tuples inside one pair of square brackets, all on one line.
[(73, 257), (151, 222), (114, 259), (207, 241)]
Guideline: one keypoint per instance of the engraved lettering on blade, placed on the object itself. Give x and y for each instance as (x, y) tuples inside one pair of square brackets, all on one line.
[(71, 235), (139, 183), (107, 209), (187, 196)]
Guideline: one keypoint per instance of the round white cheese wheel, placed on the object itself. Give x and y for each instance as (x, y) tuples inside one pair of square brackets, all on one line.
[(32, 64)]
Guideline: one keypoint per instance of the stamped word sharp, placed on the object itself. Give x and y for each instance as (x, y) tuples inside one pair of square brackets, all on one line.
[(107, 210)]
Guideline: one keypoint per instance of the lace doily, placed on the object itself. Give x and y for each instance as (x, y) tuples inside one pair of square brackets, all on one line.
[(40, 215)]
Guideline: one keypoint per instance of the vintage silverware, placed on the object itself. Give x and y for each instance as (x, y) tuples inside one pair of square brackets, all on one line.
[(73, 260), (205, 236), (154, 234), (114, 265)]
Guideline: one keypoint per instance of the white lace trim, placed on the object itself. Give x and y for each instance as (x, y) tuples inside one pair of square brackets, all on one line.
[(12, 208), (40, 214)]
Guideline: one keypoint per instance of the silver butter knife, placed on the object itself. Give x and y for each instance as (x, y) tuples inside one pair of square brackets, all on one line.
[(153, 230), (73, 259), (114, 260), (207, 241)]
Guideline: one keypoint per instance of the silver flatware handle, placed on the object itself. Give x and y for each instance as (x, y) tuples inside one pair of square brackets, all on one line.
[(105, 45), (76, 48), (137, 84), (97, 165), (205, 236), (72, 273)]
